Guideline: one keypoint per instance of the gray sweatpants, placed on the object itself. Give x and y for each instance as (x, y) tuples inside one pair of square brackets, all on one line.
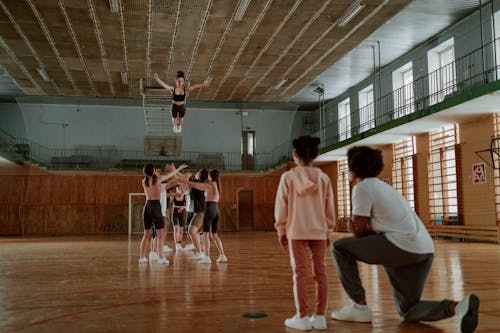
[(407, 273)]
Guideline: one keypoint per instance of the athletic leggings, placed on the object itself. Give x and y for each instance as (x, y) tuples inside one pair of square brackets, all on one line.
[(211, 218)]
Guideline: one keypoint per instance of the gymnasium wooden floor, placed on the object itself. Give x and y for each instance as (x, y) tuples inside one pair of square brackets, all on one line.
[(94, 284)]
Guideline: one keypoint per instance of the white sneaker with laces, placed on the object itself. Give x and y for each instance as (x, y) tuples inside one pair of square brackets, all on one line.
[(466, 312), (167, 248), (298, 323), (205, 260), (178, 247), (353, 312), (143, 260), (163, 261), (153, 256), (222, 258), (318, 322), (189, 247), (197, 256)]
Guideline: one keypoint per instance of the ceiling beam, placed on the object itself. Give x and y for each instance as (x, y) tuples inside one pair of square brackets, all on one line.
[(334, 47), (313, 19), (172, 43), (219, 45), (27, 42), (52, 44), (149, 26), (22, 68), (100, 43), (270, 40), (199, 36), (242, 47), (77, 47), (125, 50)]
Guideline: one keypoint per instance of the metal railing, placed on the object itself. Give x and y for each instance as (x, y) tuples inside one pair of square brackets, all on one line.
[(474, 69), (112, 158)]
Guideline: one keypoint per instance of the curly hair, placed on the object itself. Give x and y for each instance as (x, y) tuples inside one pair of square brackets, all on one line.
[(365, 161)]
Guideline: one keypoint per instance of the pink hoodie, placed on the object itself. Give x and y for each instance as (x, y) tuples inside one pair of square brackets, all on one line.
[(304, 205)]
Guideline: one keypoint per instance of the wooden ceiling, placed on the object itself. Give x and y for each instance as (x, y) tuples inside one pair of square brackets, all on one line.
[(84, 47)]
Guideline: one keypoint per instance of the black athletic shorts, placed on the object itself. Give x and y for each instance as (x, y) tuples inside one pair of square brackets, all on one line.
[(178, 110), (151, 214)]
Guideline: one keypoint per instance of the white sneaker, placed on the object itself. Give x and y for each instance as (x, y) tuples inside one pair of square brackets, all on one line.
[(318, 322), (178, 247), (153, 256), (353, 312), (189, 247), (143, 260), (163, 261), (179, 128), (197, 256), (167, 248), (466, 312), (302, 324), (222, 258), (175, 128), (205, 260)]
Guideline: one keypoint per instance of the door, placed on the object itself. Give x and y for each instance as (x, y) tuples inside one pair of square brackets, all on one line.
[(247, 150), (245, 210)]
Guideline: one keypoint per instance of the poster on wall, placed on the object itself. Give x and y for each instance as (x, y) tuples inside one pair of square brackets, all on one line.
[(478, 173)]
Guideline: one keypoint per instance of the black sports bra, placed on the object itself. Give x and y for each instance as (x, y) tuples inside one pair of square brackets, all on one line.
[(179, 98)]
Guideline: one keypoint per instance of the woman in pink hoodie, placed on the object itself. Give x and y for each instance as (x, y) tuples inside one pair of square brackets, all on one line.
[(305, 218)]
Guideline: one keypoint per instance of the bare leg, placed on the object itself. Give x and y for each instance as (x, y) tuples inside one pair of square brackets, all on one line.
[(159, 242), (218, 243), (146, 237), (206, 243), (178, 231), (193, 232)]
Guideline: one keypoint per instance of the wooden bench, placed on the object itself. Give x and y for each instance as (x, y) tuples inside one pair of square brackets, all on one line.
[(481, 233)]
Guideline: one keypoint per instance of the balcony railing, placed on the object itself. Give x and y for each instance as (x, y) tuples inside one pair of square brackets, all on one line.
[(111, 158), (472, 70)]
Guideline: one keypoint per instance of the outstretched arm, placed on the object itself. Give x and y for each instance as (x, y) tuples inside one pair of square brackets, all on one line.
[(161, 83), (197, 86), (173, 173), (200, 186)]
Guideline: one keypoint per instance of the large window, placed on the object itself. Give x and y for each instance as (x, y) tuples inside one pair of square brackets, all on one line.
[(402, 85), (496, 172), (403, 153), (343, 192), (442, 76), (443, 180), (496, 34), (366, 109), (345, 119)]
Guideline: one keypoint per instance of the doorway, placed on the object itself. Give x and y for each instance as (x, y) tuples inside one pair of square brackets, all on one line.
[(244, 209)]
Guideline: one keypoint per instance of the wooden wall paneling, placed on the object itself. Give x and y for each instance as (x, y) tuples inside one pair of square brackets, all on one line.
[(32, 219), (89, 189), (9, 220)]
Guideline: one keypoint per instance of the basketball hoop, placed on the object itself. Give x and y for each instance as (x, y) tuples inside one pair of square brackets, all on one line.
[(491, 156)]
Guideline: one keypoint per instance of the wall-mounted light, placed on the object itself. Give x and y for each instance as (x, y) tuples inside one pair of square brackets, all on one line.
[(280, 83), (242, 8), (43, 74), (124, 76), (114, 6), (351, 12)]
